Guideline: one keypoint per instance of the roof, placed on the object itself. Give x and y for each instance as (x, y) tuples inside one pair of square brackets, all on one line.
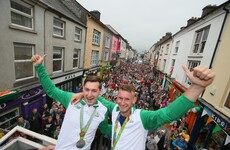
[(59, 6)]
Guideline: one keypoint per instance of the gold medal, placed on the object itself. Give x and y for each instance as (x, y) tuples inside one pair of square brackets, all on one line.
[(82, 134)]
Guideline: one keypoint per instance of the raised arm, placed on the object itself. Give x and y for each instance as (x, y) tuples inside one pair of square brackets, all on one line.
[(47, 84), (201, 77)]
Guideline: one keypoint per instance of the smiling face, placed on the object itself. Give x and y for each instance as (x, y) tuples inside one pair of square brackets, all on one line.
[(126, 99), (91, 91)]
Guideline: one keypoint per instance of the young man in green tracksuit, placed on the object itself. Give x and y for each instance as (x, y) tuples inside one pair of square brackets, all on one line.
[(130, 125), (81, 120)]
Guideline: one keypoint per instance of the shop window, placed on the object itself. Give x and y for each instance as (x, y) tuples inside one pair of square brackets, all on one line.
[(211, 135), (8, 119)]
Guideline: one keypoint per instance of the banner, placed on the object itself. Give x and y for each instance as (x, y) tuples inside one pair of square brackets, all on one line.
[(204, 113)]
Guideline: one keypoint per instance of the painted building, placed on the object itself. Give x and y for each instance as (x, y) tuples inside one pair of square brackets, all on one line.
[(37, 27)]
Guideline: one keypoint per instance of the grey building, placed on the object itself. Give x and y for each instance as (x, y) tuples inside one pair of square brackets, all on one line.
[(38, 27)]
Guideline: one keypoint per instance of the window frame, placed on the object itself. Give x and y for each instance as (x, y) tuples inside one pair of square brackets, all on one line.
[(58, 28), (23, 14), (191, 65), (94, 58), (200, 40), (106, 56), (107, 42), (78, 58), (78, 35), (177, 47), (58, 59), (96, 37), (24, 61)]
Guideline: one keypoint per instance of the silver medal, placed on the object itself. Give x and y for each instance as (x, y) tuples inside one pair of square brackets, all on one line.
[(80, 143)]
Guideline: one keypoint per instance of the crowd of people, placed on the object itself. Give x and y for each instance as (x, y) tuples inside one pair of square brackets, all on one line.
[(150, 96), (117, 87)]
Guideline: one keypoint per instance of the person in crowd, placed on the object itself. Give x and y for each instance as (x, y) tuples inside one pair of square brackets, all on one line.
[(77, 132), (151, 142), (48, 126), (35, 121), (56, 131), (185, 134), (131, 125), (180, 143), (23, 122)]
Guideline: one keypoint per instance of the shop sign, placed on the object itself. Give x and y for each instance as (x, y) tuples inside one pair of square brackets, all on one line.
[(67, 77), (218, 119)]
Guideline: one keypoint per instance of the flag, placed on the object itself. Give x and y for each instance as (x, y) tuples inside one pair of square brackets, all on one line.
[(209, 120), (216, 129)]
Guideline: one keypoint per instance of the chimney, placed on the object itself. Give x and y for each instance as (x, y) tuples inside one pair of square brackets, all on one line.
[(191, 20), (207, 9), (96, 14)]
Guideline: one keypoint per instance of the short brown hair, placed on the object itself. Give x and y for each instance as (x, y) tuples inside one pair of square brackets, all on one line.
[(93, 78), (127, 87)]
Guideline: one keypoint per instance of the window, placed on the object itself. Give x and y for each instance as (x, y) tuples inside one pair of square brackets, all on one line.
[(200, 41), (161, 51), (105, 56), (58, 28), (114, 44), (227, 102), (22, 60), (107, 42), (94, 58), (78, 33), (177, 46), (164, 64), (167, 49), (76, 58), (21, 14), (57, 59), (172, 67), (96, 37), (191, 64)]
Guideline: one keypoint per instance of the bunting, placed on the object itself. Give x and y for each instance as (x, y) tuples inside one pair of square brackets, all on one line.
[(209, 120), (227, 140), (204, 113), (216, 129)]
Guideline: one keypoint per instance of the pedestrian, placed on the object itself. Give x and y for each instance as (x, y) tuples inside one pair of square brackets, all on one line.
[(35, 121), (130, 125), (23, 122), (77, 132)]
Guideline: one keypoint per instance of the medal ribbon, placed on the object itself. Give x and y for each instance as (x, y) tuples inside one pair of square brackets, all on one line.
[(84, 129), (115, 136)]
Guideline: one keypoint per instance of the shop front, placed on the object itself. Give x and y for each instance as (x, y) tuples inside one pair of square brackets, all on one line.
[(21, 104), (211, 129)]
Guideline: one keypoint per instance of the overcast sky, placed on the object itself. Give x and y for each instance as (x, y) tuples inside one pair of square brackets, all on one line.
[(144, 22)]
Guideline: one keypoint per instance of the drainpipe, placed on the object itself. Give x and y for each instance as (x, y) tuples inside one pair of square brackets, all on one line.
[(45, 35), (221, 30), (218, 41)]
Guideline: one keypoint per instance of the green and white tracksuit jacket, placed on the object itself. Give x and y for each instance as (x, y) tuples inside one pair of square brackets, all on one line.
[(69, 134), (135, 132)]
